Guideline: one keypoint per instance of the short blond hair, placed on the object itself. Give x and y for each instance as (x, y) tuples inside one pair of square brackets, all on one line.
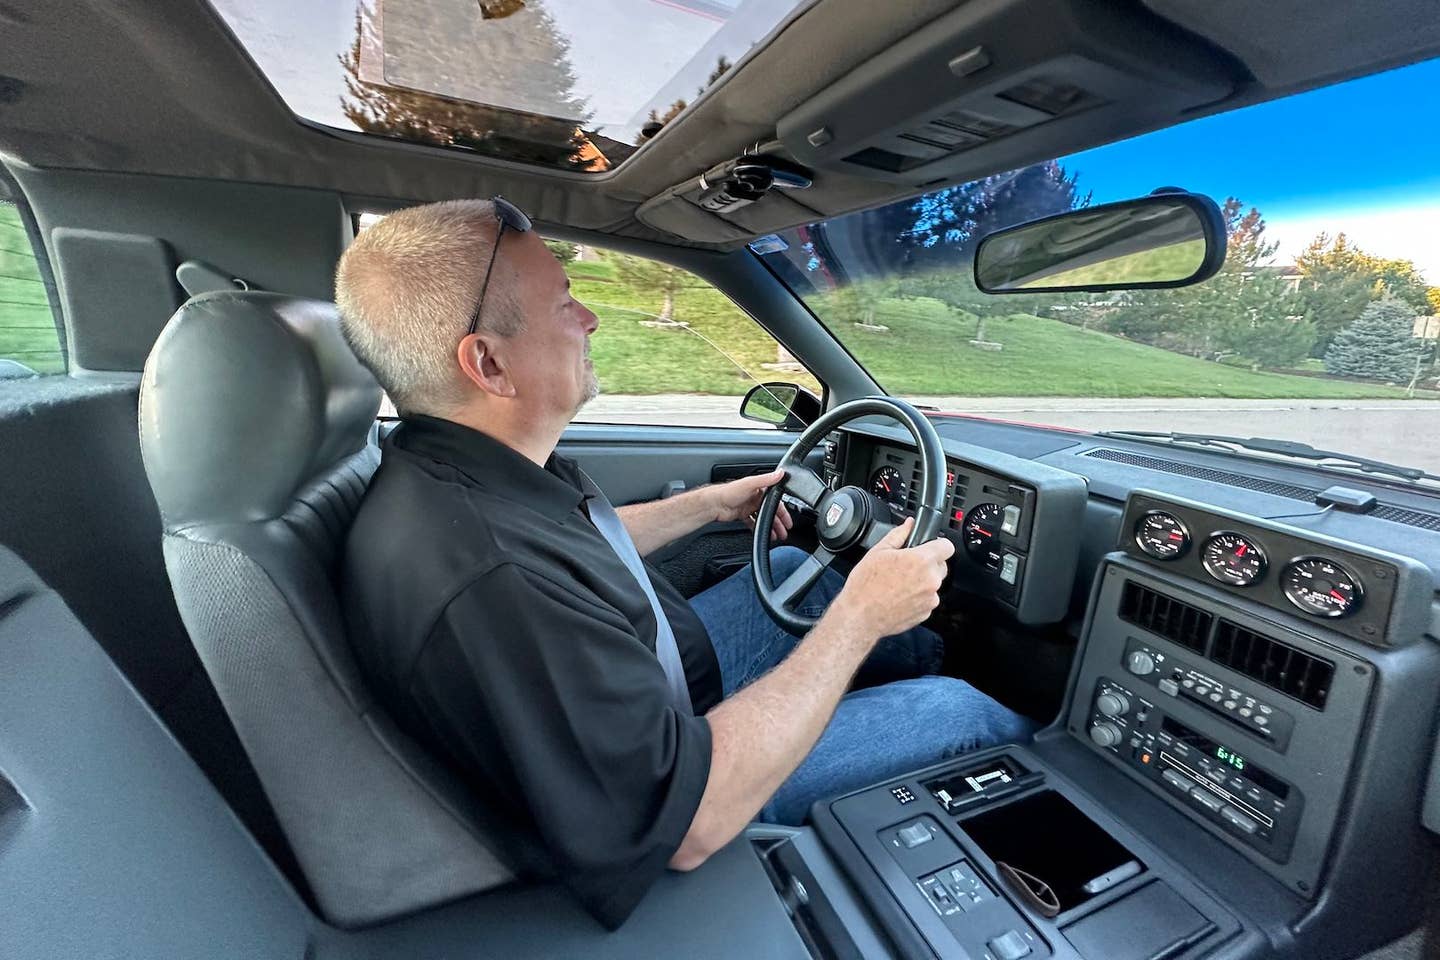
[(406, 288)]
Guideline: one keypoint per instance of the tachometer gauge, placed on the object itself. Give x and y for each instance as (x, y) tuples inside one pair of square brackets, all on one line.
[(981, 535), (1162, 535), (888, 485), (1233, 559), (1320, 587)]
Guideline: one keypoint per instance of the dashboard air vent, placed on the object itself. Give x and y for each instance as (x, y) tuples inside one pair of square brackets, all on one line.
[(1165, 616), (1259, 484), (1275, 664)]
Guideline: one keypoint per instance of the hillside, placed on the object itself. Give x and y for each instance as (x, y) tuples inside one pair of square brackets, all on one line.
[(925, 351)]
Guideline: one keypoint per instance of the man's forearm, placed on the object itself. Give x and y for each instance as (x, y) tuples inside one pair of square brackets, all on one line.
[(653, 525), (760, 735)]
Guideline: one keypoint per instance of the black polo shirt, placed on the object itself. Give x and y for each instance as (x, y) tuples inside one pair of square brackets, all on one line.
[(503, 632)]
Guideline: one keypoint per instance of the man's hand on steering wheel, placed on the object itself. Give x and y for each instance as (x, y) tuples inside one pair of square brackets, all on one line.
[(740, 500), (848, 518)]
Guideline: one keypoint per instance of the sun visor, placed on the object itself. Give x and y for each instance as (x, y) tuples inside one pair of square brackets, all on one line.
[(995, 85)]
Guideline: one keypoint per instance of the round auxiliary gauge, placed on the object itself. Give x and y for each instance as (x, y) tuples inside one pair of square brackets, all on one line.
[(981, 535), (888, 485), (1162, 535), (1234, 559), (1321, 587)]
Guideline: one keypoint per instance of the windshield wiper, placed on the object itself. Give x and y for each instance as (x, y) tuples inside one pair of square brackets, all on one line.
[(1324, 459)]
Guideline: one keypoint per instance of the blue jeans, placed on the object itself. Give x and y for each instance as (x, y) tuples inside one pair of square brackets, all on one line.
[(911, 720)]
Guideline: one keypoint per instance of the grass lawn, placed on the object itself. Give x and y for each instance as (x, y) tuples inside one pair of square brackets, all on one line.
[(925, 351), (27, 327)]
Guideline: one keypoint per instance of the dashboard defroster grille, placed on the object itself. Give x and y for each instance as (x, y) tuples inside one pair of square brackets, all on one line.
[(1165, 616), (1227, 477), (1275, 664)]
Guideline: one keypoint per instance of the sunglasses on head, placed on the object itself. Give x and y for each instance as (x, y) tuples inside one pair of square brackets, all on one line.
[(510, 216)]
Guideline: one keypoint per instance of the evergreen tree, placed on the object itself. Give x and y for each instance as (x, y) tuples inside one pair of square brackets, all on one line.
[(1339, 280), (1381, 344)]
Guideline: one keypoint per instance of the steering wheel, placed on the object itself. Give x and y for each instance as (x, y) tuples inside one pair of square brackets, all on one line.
[(848, 517)]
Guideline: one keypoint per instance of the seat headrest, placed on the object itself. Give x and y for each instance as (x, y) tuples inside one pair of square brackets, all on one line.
[(247, 397)]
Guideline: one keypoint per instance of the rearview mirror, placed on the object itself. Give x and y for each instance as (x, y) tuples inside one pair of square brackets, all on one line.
[(1163, 240), (786, 406)]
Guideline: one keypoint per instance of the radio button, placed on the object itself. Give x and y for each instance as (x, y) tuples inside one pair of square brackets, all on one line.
[(1262, 721), (1238, 820), (1207, 799), (1245, 711), (1177, 780)]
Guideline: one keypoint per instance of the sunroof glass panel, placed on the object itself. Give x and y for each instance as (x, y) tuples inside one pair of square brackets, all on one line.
[(571, 84)]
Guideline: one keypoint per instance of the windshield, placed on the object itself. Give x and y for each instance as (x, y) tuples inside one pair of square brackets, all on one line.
[(1320, 327)]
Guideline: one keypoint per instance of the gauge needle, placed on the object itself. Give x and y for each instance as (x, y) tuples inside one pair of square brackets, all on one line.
[(984, 533), (1336, 594), (1241, 551)]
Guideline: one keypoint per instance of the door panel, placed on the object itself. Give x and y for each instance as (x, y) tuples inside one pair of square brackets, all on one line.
[(633, 464)]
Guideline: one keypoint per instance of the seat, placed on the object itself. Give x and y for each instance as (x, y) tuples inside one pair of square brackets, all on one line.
[(257, 434)]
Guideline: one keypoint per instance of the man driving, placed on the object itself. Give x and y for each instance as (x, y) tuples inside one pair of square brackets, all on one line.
[(500, 609)]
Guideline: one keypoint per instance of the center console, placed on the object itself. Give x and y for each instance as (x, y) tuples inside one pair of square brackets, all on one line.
[(1233, 773), (998, 858)]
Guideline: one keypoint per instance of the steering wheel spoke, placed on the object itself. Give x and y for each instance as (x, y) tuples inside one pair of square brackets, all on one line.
[(804, 485), (877, 532), (795, 586)]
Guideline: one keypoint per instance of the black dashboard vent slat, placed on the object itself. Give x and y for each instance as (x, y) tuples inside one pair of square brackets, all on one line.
[(1259, 484), (1165, 616), (1413, 518), (1278, 665)]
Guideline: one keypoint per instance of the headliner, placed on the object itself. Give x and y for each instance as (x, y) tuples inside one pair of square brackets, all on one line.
[(162, 88)]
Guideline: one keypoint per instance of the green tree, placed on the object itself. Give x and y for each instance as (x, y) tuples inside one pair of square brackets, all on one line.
[(651, 278), (563, 250), (1245, 309), (1380, 345), (1338, 280)]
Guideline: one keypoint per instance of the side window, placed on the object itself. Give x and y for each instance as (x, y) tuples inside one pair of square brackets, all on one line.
[(29, 339), (671, 349)]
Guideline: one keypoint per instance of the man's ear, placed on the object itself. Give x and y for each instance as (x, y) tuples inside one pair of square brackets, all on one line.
[(482, 360)]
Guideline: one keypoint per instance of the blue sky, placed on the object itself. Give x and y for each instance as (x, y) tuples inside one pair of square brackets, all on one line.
[(1362, 156)]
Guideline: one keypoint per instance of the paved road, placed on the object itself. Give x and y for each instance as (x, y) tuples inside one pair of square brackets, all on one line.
[(1400, 431)]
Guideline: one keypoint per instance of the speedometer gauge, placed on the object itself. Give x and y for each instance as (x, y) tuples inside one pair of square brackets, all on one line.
[(1162, 535), (1320, 587), (1234, 559)]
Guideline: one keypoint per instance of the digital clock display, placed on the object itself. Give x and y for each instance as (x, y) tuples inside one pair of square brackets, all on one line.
[(1230, 757), (1198, 741)]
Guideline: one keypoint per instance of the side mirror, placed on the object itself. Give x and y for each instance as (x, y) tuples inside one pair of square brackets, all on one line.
[(1168, 239), (785, 406)]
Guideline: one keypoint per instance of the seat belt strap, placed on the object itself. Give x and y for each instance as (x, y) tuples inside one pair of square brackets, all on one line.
[(667, 651)]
